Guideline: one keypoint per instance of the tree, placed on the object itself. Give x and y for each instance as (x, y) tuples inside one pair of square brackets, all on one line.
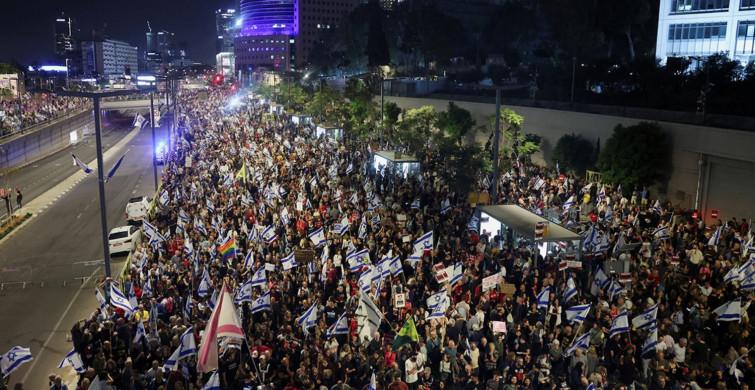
[(573, 152), (636, 155), (391, 112), (326, 105), (7, 68), (456, 122), (415, 130), (377, 46)]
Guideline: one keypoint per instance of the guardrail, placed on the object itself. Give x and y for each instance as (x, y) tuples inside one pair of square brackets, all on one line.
[(37, 126), (50, 275)]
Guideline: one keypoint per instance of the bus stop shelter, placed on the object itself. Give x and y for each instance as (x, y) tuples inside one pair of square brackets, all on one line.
[(400, 164)]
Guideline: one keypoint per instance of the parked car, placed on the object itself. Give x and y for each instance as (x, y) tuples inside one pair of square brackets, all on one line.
[(136, 209), (124, 239)]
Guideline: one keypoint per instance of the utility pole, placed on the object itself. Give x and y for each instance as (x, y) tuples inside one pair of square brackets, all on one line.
[(152, 125), (494, 189), (96, 96)]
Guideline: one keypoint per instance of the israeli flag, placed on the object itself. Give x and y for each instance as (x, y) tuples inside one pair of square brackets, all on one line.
[(458, 272), (12, 359), (357, 260), (204, 284), (425, 242), (318, 237), (715, 237), (577, 313), (269, 234), (363, 228), (259, 278), (619, 324), (289, 262), (614, 290), (249, 259), (473, 224), (651, 341), (343, 226), (81, 164), (440, 309), (340, 327), (210, 206), (437, 300), (261, 303), (73, 359), (445, 206), (600, 280), (732, 275), (254, 235), (544, 297), (188, 248), (199, 226), (147, 290), (244, 294), (646, 319), (662, 233), (350, 168), (657, 207), (285, 217), (164, 197), (118, 299), (730, 311), (396, 267), (309, 318), (100, 299), (609, 214), (539, 183), (416, 256), (415, 204), (583, 342), (115, 167), (187, 348), (570, 291), (567, 205), (188, 307), (140, 333), (313, 181)]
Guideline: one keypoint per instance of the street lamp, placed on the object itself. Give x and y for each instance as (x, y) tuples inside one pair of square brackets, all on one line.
[(96, 97)]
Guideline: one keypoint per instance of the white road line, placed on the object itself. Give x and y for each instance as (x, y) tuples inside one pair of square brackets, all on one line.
[(57, 325), (78, 216)]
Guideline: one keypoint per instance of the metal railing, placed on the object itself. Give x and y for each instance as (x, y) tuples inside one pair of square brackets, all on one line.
[(43, 124)]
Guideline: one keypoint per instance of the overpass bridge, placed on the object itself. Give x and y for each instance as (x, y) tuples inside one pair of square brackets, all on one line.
[(129, 104)]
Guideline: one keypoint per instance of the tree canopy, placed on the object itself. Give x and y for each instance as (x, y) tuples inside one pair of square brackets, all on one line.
[(637, 155), (573, 153)]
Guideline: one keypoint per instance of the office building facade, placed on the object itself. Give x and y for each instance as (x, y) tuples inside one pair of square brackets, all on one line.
[(699, 28), (279, 34), (225, 25), (109, 57)]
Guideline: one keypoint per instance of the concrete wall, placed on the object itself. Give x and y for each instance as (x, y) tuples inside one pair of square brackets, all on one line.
[(37, 143), (690, 145)]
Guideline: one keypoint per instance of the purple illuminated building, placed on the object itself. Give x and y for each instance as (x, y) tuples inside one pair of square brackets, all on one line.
[(279, 34)]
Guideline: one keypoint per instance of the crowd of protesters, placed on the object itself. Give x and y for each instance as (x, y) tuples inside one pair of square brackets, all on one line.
[(28, 111), (237, 172)]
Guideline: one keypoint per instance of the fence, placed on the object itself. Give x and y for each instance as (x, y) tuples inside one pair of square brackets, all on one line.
[(50, 275)]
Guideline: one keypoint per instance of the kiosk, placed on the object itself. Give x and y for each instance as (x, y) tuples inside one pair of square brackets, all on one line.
[(399, 164), (333, 132)]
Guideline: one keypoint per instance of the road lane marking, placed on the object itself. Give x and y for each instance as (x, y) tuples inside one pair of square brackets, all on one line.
[(78, 216), (57, 325)]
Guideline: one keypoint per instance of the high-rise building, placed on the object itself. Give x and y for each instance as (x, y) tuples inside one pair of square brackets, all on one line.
[(225, 25), (279, 34), (699, 28), (64, 41), (109, 57)]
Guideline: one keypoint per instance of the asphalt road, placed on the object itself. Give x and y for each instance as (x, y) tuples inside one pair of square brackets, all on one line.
[(61, 243)]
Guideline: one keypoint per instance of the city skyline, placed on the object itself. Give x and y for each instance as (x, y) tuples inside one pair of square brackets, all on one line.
[(30, 39)]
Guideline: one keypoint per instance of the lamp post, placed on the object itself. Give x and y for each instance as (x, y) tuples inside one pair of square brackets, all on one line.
[(96, 97)]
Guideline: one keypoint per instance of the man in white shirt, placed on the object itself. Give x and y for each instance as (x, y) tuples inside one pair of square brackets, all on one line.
[(412, 369)]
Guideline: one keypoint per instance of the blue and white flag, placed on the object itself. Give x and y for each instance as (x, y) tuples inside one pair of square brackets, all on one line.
[(609, 214), (600, 280), (140, 333), (577, 313), (730, 311), (244, 294), (619, 324), (339, 327), (139, 121), (747, 282), (147, 290), (249, 259), (603, 245), (373, 385), (289, 262), (425, 242), (445, 206), (213, 298), (309, 318), (342, 226), (415, 204), (213, 383), (715, 237), (12, 359), (115, 167), (187, 348), (601, 193), (254, 235), (73, 359), (567, 205), (437, 300), (646, 319), (458, 273), (269, 234), (318, 237), (189, 305), (473, 224), (583, 342), (544, 297), (570, 291), (118, 299), (440, 309), (657, 207), (350, 168), (363, 228), (285, 217), (415, 256), (662, 233), (614, 290), (396, 267), (259, 278), (732, 275), (261, 303), (100, 299), (81, 165), (210, 206), (204, 284), (539, 183), (650, 342), (164, 197), (357, 260)]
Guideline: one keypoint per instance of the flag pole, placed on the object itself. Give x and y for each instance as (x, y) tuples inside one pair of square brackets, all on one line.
[(576, 334)]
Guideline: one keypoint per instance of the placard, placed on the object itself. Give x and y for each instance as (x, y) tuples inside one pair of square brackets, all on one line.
[(481, 247), (269, 267), (675, 260), (499, 326), (188, 162), (625, 277), (406, 238), (399, 301), (507, 288), (574, 264), (303, 256), (563, 265), (490, 282)]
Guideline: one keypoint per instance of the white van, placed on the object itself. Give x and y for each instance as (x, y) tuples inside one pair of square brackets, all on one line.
[(137, 209)]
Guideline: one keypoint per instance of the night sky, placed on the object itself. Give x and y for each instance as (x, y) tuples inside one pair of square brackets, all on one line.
[(26, 27)]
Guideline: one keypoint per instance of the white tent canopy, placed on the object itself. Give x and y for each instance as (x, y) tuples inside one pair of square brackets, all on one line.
[(524, 221)]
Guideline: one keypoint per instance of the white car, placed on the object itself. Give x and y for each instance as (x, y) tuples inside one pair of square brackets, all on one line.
[(136, 209), (124, 239)]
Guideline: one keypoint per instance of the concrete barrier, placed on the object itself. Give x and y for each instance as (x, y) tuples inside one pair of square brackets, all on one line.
[(30, 146)]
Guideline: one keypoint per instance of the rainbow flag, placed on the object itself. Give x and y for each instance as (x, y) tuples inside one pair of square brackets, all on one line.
[(228, 249)]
